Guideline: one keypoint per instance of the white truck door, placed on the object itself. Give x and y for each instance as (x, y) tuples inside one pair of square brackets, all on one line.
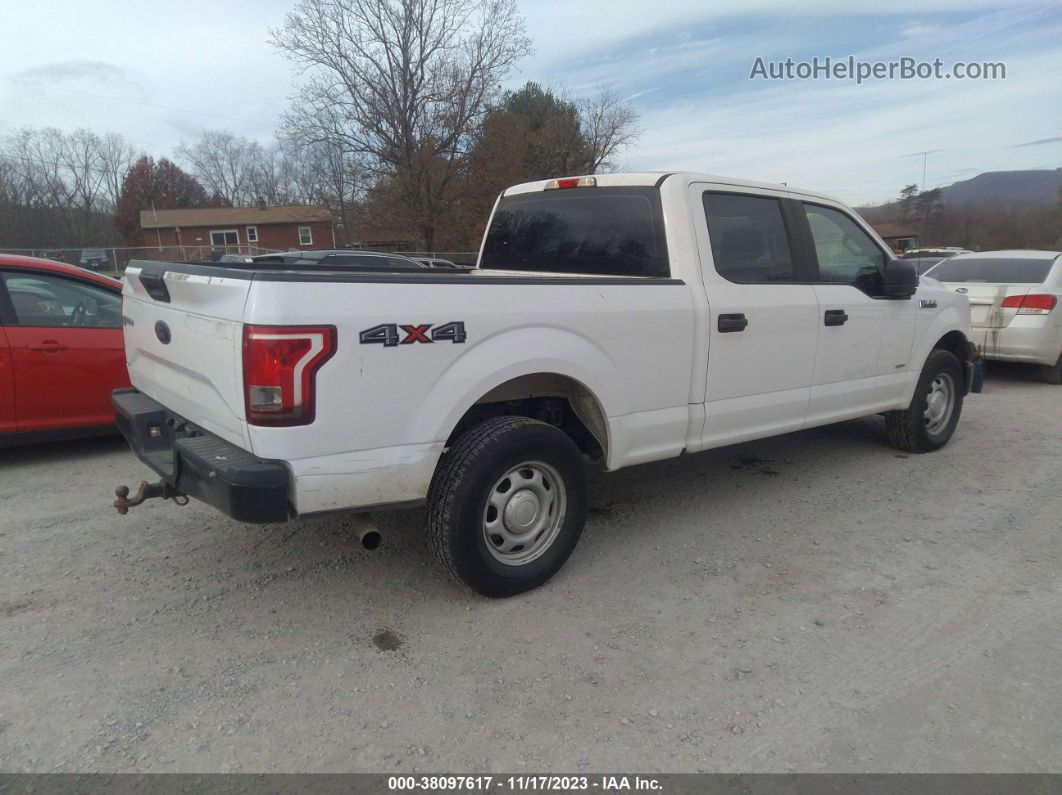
[(763, 324), (865, 339)]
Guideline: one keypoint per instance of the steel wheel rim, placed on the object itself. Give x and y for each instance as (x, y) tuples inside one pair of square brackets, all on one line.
[(524, 513), (940, 403)]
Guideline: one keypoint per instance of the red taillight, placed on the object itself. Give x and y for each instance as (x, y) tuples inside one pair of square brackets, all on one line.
[(280, 365), (570, 182), (1031, 304)]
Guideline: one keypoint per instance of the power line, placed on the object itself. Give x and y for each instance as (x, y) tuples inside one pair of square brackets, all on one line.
[(135, 102)]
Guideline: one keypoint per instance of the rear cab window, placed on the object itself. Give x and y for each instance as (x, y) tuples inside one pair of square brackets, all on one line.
[(616, 231)]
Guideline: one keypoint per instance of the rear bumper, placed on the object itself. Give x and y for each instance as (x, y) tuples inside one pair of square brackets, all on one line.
[(1021, 342), (200, 464)]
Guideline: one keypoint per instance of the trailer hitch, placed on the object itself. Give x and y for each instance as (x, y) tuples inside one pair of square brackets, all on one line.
[(147, 491)]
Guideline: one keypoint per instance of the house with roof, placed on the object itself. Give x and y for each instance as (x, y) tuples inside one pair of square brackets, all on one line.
[(247, 230), (899, 238)]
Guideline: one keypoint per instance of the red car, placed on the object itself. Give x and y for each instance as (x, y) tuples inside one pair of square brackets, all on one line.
[(61, 351)]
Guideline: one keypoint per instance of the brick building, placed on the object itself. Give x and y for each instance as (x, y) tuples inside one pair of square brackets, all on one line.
[(206, 230)]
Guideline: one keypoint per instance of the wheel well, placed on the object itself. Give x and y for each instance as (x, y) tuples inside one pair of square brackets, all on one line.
[(555, 399), (953, 341)]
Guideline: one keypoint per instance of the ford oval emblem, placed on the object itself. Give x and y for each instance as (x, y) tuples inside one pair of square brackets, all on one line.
[(162, 331), (962, 290)]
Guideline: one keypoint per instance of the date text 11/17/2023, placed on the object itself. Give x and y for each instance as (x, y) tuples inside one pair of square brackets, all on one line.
[(523, 783)]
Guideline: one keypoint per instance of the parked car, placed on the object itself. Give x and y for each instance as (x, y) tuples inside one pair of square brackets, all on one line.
[(339, 258), (235, 258), (61, 351), (94, 259), (1014, 297), (623, 318), (925, 258)]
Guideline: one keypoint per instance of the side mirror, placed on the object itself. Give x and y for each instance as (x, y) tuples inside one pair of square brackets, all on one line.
[(901, 278)]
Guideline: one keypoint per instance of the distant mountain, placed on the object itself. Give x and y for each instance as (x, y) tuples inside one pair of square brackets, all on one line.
[(1031, 187)]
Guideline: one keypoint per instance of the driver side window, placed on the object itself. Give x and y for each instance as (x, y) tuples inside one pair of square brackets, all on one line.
[(846, 254), (47, 301)]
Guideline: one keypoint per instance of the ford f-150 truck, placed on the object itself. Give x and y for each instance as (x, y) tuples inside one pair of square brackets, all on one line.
[(620, 318)]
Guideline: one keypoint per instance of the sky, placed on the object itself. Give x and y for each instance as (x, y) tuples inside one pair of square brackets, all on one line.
[(160, 72)]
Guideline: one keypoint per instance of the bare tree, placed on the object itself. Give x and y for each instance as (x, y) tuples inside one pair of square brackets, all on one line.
[(116, 156), (227, 165), (59, 187), (609, 127), (401, 83)]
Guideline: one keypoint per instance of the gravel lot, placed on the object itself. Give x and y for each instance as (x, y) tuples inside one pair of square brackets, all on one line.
[(817, 602)]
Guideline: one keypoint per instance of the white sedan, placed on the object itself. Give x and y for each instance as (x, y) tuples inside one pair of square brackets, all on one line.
[(1014, 304)]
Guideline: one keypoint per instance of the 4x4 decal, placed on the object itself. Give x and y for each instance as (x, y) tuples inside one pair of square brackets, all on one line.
[(387, 334)]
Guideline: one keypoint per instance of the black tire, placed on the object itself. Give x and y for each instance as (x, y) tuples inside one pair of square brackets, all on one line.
[(1052, 373), (465, 480), (908, 428)]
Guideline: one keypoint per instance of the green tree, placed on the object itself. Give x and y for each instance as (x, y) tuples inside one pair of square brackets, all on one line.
[(907, 201)]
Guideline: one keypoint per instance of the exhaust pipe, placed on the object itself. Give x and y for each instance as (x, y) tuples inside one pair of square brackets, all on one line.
[(367, 531)]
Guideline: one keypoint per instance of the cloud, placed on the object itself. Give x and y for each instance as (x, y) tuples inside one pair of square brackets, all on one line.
[(76, 71), (916, 29), (831, 135), (1055, 140)]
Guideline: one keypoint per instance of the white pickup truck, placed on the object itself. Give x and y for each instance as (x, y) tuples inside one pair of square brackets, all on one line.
[(621, 318)]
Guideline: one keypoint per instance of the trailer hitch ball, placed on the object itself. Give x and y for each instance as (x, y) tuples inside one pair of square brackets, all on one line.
[(146, 491)]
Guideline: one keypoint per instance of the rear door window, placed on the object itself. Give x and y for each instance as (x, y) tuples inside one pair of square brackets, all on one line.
[(602, 231), (750, 242), (992, 271)]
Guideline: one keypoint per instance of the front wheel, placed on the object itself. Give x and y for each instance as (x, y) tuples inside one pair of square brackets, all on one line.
[(928, 423), (507, 505)]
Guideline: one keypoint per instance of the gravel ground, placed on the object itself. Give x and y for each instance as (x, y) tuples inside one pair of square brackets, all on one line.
[(816, 602)]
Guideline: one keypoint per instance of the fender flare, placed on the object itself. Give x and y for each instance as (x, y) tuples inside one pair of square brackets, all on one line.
[(583, 361)]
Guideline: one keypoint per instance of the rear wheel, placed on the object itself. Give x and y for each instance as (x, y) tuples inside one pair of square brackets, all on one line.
[(1052, 373), (928, 423), (507, 505)]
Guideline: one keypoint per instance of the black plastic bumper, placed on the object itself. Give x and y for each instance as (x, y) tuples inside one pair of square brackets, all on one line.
[(199, 464)]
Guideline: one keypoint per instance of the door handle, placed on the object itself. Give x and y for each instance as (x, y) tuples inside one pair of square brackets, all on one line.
[(836, 317), (731, 323), (49, 346)]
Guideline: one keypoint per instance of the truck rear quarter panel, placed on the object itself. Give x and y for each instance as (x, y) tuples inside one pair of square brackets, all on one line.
[(385, 412)]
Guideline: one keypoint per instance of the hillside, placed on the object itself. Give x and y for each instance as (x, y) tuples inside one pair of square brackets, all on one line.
[(1030, 187)]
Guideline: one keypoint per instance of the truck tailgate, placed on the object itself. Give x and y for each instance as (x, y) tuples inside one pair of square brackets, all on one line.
[(183, 345)]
